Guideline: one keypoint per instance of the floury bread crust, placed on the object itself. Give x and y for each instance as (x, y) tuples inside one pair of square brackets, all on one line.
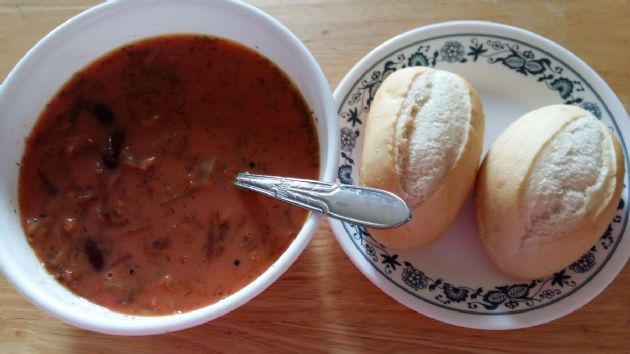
[(423, 141), (547, 190)]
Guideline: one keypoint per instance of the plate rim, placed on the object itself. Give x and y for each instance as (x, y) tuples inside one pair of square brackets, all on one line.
[(587, 289)]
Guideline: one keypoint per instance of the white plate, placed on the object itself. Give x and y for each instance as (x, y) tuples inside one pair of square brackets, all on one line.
[(452, 280)]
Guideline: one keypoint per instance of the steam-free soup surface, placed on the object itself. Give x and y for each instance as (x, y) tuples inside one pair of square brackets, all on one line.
[(126, 190)]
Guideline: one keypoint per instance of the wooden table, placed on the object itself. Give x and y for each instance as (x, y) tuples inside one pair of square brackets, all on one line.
[(323, 303)]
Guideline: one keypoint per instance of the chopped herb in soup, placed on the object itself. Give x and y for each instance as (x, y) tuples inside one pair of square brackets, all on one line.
[(126, 190)]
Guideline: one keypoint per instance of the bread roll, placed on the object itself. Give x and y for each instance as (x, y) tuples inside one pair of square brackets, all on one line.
[(423, 141), (547, 190)]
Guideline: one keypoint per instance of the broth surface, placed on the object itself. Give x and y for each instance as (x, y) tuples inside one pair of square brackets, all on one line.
[(126, 190)]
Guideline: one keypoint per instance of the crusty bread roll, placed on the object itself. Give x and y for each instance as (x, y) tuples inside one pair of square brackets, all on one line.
[(547, 190), (423, 141)]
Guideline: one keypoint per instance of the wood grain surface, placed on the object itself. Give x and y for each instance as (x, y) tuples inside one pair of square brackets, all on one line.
[(323, 303)]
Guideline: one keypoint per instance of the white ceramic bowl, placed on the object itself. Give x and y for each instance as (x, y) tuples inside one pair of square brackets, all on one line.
[(76, 43)]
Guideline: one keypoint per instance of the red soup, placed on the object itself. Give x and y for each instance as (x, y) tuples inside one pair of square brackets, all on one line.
[(126, 190)]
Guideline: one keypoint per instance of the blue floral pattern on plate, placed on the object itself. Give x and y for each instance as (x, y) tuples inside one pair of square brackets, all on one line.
[(521, 59)]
